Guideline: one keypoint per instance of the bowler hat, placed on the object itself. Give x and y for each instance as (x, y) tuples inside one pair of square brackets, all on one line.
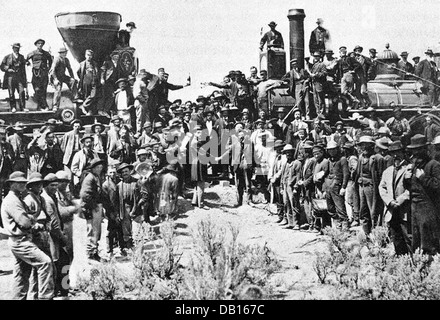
[(50, 178), (121, 80), (382, 143), (95, 162), (395, 146), (85, 137), (160, 70), (272, 23), (17, 176), (39, 40), (62, 49), (366, 139), (35, 177), (417, 141), (288, 148), (131, 24), (123, 166)]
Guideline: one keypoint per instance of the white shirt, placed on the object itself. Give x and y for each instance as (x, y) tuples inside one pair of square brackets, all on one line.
[(122, 101)]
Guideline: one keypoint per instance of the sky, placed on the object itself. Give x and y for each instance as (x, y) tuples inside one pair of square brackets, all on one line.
[(207, 38)]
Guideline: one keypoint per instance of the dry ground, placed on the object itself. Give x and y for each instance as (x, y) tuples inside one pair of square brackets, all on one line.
[(294, 249)]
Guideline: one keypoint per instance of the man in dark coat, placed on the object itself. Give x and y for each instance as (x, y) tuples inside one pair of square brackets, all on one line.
[(319, 77), (109, 75), (89, 80), (318, 38), (272, 37), (14, 67), (422, 179), (406, 66), (293, 77), (41, 63), (92, 204), (427, 70), (19, 142)]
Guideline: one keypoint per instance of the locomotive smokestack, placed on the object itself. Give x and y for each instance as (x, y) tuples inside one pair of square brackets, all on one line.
[(296, 21)]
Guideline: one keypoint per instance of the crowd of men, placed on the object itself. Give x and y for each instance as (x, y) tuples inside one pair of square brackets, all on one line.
[(362, 172)]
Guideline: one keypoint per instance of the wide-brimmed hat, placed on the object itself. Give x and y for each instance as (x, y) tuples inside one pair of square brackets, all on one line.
[(317, 54), (416, 57), (39, 40), (95, 162), (141, 152), (62, 49), (121, 80), (429, 51), (85, 137), (63, 175), (329, 51), (217, 95), (308, 144), (76, 121), (272, 23), (332, 145), (199, 98), (366, 139), (18, 126), (124, 166), (279, 144), (436, 140), (383, 143), (115, 117), (259, 121), (417, 141), (288, 148), (97, 125), (224, 109), (404, 54), (50, 178), (358, 47), (348, 145), (131, 24), (372, 50), (16, 44), (35, 177), (17, 176), (177, 101), (395, 146), (356, 116)]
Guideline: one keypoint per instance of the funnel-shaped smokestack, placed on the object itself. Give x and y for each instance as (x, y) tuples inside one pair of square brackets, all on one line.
[(296, 21)]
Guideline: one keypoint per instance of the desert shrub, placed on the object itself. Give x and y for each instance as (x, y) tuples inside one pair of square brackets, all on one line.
[(367, 268)]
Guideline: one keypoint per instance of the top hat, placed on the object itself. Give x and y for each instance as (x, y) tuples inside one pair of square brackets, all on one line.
[(131, 24), (17, 176), (39, 40), (395, 146), (417, 141), (123, 166), (62, 49), (272, 23), (35, 177)]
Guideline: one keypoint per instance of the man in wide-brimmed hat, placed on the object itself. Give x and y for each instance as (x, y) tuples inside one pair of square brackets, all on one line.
[(273, 38), (405, 66), (57, 76), (91, 205), (41, 63), (19, 225), (397, 200), (19, 142), (421, 178), (426, 70), (82, 159), (276, 164), (398, 125)]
